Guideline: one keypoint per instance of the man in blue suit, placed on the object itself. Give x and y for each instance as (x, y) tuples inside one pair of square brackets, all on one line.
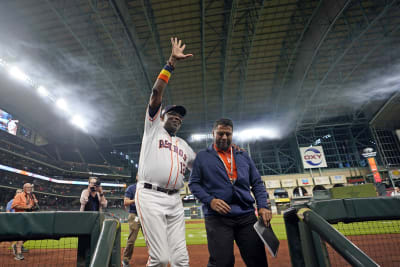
[(223, 179)]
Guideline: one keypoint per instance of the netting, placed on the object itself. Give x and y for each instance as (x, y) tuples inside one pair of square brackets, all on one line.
[(40, 253), (380, 240)]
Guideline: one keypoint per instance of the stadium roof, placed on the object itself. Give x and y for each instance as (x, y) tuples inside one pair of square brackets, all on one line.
[(290, 64)]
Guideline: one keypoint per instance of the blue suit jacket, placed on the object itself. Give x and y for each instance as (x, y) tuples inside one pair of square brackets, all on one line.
[(209, 180)]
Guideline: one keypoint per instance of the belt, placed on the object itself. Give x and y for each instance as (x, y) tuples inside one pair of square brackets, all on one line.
[(161, 189)]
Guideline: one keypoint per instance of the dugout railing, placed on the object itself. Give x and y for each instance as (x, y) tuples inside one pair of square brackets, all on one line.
[(92, 239), (344, 232)]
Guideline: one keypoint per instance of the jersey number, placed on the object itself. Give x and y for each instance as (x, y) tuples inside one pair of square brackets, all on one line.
[(183, 168)]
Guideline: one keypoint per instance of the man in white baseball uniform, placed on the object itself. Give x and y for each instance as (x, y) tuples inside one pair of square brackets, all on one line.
[(164, 158)]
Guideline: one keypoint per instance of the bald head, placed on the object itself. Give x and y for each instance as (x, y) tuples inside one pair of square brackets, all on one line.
[(28, 188)]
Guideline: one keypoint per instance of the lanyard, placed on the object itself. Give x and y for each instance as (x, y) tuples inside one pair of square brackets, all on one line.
[(230, 173)]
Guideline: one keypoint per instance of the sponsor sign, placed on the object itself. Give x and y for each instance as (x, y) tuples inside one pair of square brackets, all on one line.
[(377, 177), (395, 173), (372, 164), (305, 181), (289, 183), (368, 152), (282, 200), (273, 183), (313, 157), (374, 169), (338, 179), (321, 180)]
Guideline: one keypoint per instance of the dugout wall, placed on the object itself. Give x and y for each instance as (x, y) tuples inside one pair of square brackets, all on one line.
[(88, 227)]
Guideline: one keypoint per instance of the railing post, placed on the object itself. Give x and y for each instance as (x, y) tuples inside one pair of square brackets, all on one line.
[(293, 237), (105, 245), (116, 252)]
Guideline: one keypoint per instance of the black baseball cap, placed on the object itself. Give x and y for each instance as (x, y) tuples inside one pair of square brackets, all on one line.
[(180, 109)]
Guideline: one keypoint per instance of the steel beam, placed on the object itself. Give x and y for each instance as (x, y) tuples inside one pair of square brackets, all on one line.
[(340, 57), (252, 19), (307, 47), (122, 57), (149, 14), (230, 7), (85, 48), (122, 12), (203, 60)]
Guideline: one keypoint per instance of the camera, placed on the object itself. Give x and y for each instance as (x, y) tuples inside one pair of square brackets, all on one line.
[(33, 208), (97, 184)]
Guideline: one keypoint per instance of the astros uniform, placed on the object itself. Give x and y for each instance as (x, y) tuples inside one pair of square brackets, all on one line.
[(162, 164)]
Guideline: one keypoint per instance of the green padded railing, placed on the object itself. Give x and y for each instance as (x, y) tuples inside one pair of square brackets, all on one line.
[(54, 225), (108, 248), (305, 229)]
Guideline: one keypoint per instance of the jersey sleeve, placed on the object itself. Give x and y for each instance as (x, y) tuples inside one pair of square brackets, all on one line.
[(151, 122)]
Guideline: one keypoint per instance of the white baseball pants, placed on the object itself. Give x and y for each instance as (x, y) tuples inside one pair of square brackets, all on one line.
[(163, 225)]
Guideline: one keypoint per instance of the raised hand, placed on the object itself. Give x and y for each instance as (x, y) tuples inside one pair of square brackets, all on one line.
[(177, 50)]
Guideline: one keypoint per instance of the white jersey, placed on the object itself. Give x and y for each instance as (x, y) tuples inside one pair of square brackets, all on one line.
[(163, 158)]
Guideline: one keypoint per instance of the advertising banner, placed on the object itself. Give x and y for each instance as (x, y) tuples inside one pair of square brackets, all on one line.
[(322, 180), (273, 183), (313, 157), (305, 181), (289, 183)]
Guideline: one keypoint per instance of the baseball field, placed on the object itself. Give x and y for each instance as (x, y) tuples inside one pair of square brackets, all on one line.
[(49, 250), (196, 233)]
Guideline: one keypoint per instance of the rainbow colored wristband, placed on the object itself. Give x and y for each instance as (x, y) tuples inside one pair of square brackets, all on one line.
[(165, 73)]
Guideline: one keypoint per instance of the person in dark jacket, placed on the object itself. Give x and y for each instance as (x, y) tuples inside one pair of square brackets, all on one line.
[(223, 179)]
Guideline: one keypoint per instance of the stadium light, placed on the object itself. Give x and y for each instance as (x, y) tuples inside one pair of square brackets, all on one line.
[(200, 137), (257, 133), (61, 104), (16, 73), (43, 91), (79, 122)]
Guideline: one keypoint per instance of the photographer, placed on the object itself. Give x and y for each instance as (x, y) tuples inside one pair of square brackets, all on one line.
[(24, 202), (92, 198)]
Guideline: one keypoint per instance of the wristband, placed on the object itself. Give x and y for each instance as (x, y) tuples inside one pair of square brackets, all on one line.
[(165, 73), (101, 195)]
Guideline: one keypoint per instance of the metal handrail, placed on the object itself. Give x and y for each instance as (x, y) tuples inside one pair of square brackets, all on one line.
[(339, 242)]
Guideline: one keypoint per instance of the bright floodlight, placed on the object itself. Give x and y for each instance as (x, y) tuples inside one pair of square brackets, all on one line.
[(16, 73), (78, 121), (257, 133), (61, 104), (43, 91), (200, 137)]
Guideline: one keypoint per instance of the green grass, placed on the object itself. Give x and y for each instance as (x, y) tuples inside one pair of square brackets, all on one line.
[(369, 227), (196, 233)]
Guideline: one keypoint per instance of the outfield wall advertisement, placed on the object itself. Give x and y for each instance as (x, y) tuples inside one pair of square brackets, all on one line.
[(313, 157)]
